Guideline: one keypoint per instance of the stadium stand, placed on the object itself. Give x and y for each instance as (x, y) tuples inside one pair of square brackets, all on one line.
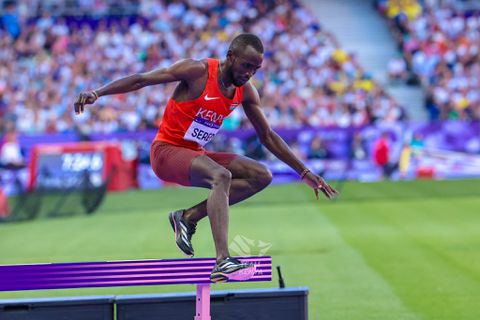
[(55, 50), (440, 42)]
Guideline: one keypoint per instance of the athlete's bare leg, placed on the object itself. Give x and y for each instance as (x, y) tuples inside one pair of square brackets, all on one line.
[(248, 178), (204, 172)]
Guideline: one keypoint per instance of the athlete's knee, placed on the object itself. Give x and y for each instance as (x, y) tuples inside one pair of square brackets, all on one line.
[(263, 176), (221, 176)]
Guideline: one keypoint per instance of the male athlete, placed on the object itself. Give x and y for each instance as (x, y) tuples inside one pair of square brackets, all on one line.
[(207, 92)]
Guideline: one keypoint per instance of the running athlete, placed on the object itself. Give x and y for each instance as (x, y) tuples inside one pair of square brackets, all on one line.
[(207, 92)]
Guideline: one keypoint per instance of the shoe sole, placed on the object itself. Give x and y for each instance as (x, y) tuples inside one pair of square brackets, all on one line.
[(174, 227), (239, 275)]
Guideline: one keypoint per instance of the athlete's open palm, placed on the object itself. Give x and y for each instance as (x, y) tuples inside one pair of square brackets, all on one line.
[(317, 183), (87, 97)]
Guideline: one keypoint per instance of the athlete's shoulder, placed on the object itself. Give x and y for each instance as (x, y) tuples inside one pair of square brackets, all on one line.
[(249, 86), (193, 68), (250, 93)]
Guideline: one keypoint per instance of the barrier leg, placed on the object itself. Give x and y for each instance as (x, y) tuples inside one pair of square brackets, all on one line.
[(202, 311)]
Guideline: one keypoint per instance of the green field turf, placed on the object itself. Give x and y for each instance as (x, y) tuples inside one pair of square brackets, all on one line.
[(405, 250)]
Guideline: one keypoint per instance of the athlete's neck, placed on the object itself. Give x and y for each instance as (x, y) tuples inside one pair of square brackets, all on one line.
[(223, 77)]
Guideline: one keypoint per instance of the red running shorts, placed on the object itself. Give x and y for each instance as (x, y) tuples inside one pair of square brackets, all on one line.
[(172, 163)]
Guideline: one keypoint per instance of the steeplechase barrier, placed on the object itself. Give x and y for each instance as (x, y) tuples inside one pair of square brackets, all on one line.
[(126, 273)]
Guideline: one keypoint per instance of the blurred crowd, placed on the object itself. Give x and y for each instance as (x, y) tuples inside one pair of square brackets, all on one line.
[(440, 41), (52, 50)]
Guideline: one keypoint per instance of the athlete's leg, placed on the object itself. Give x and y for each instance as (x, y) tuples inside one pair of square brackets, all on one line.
[(248, 178), (204, 172)]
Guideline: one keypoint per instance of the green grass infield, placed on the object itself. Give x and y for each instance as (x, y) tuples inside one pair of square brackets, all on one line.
[(390, 250)]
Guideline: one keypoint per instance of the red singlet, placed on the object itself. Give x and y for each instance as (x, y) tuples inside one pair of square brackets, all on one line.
[(191, 124)]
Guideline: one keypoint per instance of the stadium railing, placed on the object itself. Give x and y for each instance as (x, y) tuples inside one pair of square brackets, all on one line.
[(126, 273)]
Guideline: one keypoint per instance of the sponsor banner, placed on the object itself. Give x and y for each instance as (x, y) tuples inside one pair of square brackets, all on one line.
[(444, 164), (450, 149)]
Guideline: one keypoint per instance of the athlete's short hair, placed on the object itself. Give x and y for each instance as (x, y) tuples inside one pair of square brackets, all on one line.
[(242, 41)]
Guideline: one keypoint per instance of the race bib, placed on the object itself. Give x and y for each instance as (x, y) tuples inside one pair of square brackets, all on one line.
[(201, 131)]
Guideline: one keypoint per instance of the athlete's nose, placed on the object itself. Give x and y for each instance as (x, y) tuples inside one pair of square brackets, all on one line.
[(251, 72), (248, 75)]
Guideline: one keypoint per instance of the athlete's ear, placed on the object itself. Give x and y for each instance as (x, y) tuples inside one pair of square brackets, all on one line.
[(230, 56)]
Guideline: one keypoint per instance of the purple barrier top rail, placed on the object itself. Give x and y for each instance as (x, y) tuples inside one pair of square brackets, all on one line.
[(119, 273)]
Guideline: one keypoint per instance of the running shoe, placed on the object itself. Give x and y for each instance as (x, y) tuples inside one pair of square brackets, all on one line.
[(183, 232), (232, 269)]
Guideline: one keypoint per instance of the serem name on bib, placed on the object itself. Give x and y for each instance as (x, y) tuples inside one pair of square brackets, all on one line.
[(204, 127)]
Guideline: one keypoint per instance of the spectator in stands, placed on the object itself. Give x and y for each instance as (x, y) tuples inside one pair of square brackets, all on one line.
[(10, 153), (317, 149), (10, 19), (417, 141), (53, 57), (357, 148), (381, 154), (397, 70), (441, 44)]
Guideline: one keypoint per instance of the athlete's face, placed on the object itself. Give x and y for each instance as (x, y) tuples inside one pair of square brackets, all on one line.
[(244, 65)]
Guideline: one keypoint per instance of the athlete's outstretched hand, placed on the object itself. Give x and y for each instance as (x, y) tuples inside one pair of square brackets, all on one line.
[(317, 183), (87, 97)]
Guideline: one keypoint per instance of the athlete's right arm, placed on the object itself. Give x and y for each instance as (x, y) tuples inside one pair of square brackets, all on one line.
[(187, 70)]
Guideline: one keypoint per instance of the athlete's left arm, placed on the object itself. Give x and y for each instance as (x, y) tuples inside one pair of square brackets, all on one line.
[(273, 142)]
